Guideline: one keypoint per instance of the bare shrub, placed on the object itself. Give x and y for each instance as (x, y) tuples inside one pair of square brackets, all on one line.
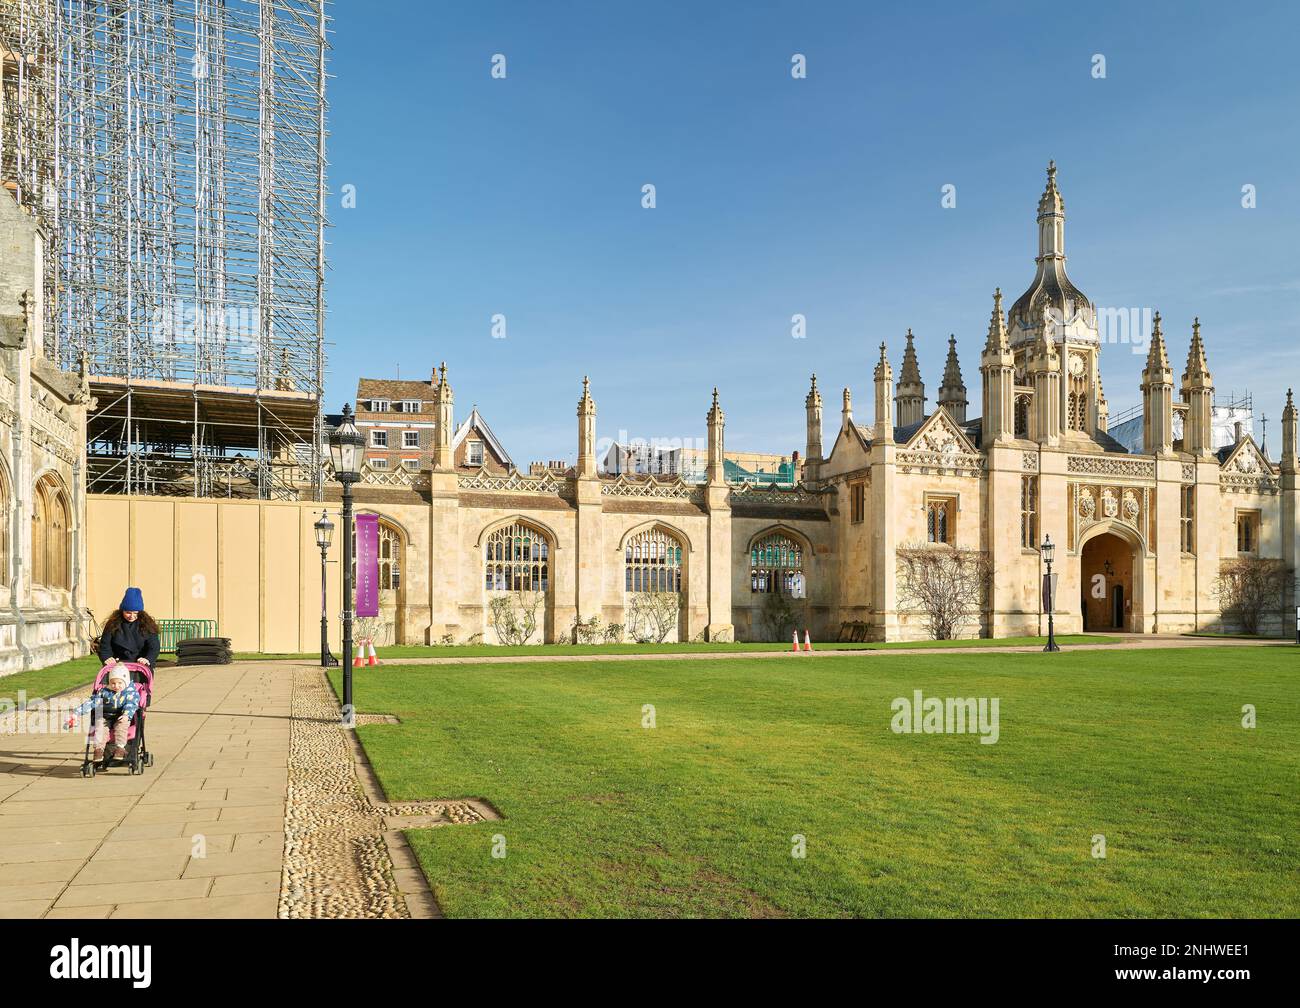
[(947, 585)]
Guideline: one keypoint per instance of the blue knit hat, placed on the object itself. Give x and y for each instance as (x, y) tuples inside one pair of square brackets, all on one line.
[(132, 601)]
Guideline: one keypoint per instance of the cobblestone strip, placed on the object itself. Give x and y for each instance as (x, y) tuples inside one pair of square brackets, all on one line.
[(335, 861)]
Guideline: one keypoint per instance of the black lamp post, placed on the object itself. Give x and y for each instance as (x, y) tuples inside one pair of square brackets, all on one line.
[(347, 451), (324, 535), (1049, 593)]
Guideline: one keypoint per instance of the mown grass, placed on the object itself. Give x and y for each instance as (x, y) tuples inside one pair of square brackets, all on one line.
[(516, 651), (38, 684), (695, 817)]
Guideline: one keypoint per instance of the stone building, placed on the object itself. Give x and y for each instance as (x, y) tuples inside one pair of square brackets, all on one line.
[(42, 462), (1140, 535)]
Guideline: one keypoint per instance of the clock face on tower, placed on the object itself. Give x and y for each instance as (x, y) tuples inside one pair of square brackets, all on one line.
[(1077, 365)]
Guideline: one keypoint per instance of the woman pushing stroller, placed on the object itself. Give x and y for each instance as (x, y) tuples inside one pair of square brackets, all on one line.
[(130, 634)]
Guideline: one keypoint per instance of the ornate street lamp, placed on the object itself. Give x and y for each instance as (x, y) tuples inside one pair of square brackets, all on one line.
[(324, 535), (347, 452), (1049, 593)]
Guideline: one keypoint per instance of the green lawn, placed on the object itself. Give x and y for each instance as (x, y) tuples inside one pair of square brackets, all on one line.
[(504, 651), (46, 682), (695, 816)]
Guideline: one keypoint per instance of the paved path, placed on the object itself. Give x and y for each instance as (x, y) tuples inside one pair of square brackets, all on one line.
[(201, 834)]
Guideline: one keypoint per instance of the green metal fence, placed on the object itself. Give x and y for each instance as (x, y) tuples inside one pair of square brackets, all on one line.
[(173, 631)]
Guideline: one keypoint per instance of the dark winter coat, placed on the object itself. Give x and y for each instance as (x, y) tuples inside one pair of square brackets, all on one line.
[(129, 642)]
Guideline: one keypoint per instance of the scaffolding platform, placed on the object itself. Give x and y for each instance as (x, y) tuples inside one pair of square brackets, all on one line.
[(149, 436)]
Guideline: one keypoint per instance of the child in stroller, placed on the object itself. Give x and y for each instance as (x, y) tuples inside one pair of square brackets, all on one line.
[(121, 694)]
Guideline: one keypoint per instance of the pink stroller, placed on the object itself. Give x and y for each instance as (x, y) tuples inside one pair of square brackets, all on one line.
[(137, 755)]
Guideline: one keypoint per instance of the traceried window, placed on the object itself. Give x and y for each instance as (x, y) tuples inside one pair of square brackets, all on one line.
[(652, 562), (776, 565), (941, 520), (390, 557), (1077, 413), (1187, 515), (51, 530), (6, 502), (1022, 416), (857, 502), (1029, 512), (517, 558)]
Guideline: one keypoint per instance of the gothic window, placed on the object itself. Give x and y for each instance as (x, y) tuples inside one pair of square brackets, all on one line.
[(1187, 502), (6, 502), (517, 558), (51, 530), (652, 562), (941, 520), (1029, 512), (776, 566), (1078, 411), (1247, 531), (857, 502), (390, 557), (1022, 416)]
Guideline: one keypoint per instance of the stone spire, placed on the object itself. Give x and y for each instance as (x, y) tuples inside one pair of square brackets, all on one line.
[(997, 341), (952, 393), (1157, 396), (443, 403), (1290, 461), (911, 390), (717, 453), (998, 367), (1050, 284), (884, 377), (1198, 393), (586, 433), (813, 408)]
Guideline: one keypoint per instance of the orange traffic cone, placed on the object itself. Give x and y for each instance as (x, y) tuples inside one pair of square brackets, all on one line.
[(807, 640), (794, 642), (356, 658), (374, 659)]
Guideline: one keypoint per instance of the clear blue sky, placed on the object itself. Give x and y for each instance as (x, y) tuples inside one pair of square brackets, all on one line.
[(778, 196)]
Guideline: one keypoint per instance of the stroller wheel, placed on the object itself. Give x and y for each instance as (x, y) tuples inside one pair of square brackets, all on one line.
[(85, 769), (148, 759)]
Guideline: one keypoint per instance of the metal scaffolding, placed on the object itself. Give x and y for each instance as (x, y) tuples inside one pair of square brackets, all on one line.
[(177, 151)]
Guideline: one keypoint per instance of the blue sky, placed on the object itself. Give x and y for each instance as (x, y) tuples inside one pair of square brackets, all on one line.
[(775, 196)]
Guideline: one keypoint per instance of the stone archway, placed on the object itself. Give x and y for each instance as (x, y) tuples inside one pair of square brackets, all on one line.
[(1110, 568)]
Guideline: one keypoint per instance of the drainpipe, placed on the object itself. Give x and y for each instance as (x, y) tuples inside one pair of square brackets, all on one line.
[(16, 544)]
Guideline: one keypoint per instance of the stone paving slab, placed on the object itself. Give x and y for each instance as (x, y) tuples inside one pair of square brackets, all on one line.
[(120, 846)]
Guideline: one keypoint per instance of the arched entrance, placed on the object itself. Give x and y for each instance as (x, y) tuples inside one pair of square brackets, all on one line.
[(1107, 585)]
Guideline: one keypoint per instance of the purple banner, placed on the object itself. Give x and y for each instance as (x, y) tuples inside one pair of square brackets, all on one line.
[(367, 565)]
